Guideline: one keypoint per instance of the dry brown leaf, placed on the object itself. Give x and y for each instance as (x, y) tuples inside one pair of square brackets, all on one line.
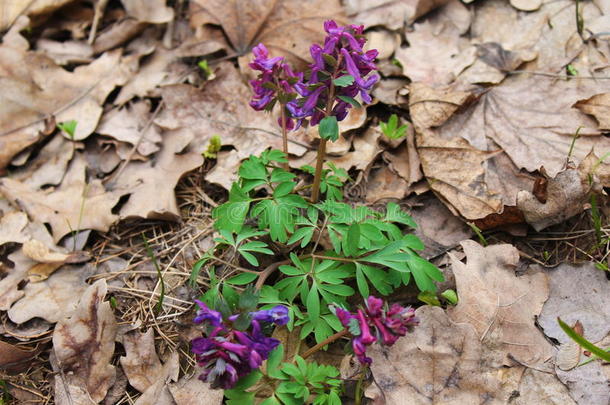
[(526, 5), (193, 391), (404, 160), (50, 164), (393, 14), (567, 193), (83, 345), (597, 106), (40, 253), (150, 11), (500, 305), (63, 208), (440, 362), (13, 359), (282, 26), (383, 183), (52, 298), (437, 53), (151, 184), (131, 124), (384, 41), (158, 393), (12, 9), (66, 52), (527, 386), (432, 107), (141, 363), (47, 260), (222, 109), (33, 88), (9, 285), (568, 355)]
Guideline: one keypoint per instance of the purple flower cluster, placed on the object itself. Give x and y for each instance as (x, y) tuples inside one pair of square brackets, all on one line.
[(226, 354), (318, 96), (376, 324)]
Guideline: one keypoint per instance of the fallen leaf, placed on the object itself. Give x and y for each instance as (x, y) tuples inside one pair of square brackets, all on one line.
[(14, 359), (525, 386), (439, 362), (39, 88), (158, 393), (567, 195), (432, 107), (597, 106), (568, 355), (437, 53), (75, 205), (222, 109), (131, 124), (526, 5), (15, 8), (52, 298), (282, 27), (385, 184), (9, 284), (404, 160), (501, 306), (150, 185), (384, 41), (193, 391), (83, 345), (150, 11), (587, 384), (391, 14), (141, 363)]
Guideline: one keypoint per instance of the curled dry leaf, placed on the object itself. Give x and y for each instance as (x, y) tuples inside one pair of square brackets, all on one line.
[(14, 359), (131, 124), (141, 363), (568, 355), (526, 5), (75, 205), (440, 362), (158, 393), (282, 27), (151, 184), (597, 106), (221, 109), (52, 298), (501, 306), (83, 345), (391, 14)]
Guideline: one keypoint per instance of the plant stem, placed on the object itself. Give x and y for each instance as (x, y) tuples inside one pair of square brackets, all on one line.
[(284, 134), (325, 342), (358, 393), (315, 193)]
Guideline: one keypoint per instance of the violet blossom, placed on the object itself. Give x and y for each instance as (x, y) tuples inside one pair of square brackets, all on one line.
[(376, 324), (227, 354), (308, 101)]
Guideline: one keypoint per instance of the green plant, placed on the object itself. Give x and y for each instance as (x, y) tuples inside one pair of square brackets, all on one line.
[(69, 127), (391, 128), (213, 148), (584, 343)]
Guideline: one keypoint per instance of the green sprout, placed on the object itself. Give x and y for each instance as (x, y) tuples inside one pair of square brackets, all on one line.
[(391, 128), (214, 146), (69, 127)]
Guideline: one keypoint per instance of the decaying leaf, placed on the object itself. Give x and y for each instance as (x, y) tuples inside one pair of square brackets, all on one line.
[(192, 391), (501, 306), (75, 205), (10, 10), (141, 364), (131, 124), (154, 12), (9, 285), (222, 109), (526, 386), (282, 27), (83, 345), (568, 355), (158, 393), (14, 359), (391, 14), (52, 298), (597, 106), (440, 362), (151, 184)]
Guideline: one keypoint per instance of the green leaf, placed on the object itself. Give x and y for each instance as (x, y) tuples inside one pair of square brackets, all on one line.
[(242, 279), (273, 155), (274, 360), (313, 302), (395, 214), (231, 216), (303, 234), (271, 401), (350, 100), (582, 342), (344, 81), (429, 298), (329, 128), (283, 189), (352, 240), (279, 175), (69, 127), (450, 296)]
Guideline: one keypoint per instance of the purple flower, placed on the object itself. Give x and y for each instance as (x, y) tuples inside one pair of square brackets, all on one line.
[(205, 314), (377, 324), (277, 315), (226, 354)]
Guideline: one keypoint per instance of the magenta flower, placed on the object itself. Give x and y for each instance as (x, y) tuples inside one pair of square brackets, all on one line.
[(227, 354), (376, 324)]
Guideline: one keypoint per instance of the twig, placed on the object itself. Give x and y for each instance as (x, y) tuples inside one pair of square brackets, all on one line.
[(325, 342)]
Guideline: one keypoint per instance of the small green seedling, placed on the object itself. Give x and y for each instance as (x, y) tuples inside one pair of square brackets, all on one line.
[(391, 128), (571, 70), (69, 127), (207, 71), (450, 296), (214, 146), (584, 343)]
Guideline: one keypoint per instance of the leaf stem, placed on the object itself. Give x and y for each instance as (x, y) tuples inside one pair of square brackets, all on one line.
[(325, 342), (358, 393), (284, 134)]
